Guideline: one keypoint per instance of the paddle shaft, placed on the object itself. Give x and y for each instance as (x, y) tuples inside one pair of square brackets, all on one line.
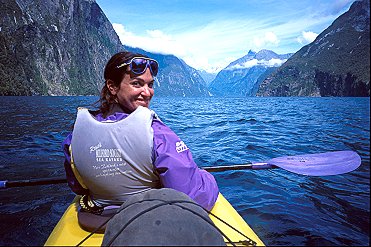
[(254, 166), (31, 182), (330, 163), (61, 180)]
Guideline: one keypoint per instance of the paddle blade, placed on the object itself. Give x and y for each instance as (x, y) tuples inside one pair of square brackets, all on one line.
[(322, 164)]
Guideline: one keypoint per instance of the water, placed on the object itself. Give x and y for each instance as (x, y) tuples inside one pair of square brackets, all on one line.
[(283, 208)]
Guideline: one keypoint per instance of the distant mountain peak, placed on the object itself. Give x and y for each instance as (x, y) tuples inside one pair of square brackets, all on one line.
[(264, 57), (251, 53), (242, 77)]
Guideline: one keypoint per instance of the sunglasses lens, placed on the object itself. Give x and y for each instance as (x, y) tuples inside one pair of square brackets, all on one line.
[(154, 67), (138, 65)]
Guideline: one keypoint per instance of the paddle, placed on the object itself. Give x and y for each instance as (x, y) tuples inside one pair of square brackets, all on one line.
[(322, 164), (37, 181)]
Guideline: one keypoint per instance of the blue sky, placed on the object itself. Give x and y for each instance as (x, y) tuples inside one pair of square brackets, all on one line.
[(211, 34)]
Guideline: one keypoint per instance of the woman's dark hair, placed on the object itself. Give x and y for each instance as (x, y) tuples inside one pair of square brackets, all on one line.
[(111, 72)]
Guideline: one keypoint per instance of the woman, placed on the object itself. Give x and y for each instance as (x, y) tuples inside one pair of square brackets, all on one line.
[(124, 149)]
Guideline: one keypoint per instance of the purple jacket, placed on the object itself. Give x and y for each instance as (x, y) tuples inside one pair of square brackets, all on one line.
[(177, 170)]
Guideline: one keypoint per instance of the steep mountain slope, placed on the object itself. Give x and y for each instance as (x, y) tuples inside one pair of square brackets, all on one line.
[(337, 63), (61, 47), (175, 77), (54, 48)]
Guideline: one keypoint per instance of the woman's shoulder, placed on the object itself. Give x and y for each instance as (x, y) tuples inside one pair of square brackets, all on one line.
[(163, 133), (159, 126)]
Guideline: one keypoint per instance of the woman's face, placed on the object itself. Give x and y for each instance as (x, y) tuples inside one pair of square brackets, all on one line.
[(134, 90)]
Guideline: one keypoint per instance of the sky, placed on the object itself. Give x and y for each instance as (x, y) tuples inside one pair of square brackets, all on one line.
[(210, 34)]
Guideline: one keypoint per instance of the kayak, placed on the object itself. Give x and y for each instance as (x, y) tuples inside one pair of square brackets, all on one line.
[(67, 232)]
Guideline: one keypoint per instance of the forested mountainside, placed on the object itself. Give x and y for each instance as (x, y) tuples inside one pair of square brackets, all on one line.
[(54, 47), (61, 47), (175, 77)]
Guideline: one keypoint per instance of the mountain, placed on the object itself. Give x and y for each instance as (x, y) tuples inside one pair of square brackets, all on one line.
[(336, 63), (243, 76), (54, 47), (175, 77), (61, 48), (208, 77)]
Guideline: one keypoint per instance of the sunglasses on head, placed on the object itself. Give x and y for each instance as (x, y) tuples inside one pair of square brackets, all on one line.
[(138, 65)]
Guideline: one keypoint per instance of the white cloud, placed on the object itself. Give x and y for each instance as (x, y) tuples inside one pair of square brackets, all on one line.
[(274, 62), (154, 41), (213, 46), (306, 37), (217, 39), (195, 46), (245, 65), (268, 38)]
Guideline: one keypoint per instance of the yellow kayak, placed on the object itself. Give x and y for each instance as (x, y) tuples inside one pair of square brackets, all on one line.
[(68, 232)]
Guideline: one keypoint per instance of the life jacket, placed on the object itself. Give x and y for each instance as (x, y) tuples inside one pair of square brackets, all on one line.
[(114, 159)]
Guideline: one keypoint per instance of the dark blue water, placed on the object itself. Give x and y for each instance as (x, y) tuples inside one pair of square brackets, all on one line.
[(283, 208)]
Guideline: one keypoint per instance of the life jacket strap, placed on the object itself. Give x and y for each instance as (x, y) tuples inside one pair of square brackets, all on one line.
[(88, 205)]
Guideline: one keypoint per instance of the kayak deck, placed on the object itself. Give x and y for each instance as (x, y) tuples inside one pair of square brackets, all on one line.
[(68, 232)]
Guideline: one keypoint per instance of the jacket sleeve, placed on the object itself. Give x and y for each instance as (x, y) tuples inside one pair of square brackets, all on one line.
[(177, 170), (72, 181)]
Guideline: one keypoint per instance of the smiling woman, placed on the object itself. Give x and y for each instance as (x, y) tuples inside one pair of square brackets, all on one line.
[(123, 149), (136, 87)]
